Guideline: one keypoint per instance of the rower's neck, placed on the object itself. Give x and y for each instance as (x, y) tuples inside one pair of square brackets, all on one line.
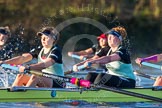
[(103, 46), (1, 47), (115, 48), (46, 50)]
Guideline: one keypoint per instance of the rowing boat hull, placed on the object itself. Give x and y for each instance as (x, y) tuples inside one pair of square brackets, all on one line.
[(89, 96)]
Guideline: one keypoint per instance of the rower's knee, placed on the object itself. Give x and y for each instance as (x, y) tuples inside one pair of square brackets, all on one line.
[(33, 77), (158, 81), (20, 75), (159, 78)]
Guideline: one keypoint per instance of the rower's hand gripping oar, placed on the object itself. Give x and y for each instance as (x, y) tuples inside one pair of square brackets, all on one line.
[(71, 71), (152, 65), (84, 66), (77, 57), (72, 80)]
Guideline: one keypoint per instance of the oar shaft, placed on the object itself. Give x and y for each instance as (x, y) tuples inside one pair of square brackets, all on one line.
[(144, 75), (15, 88), (121, 91), (72, 80), (152, 65), (8, 66)]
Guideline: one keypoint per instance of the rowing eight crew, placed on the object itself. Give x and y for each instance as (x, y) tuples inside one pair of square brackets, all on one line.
[(120, 72)]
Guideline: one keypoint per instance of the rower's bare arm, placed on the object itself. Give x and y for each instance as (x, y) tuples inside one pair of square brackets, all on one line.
[(82, 52), (88, 51), (95, 57), (19, 59), (153, 59), (159, 57), (106, 59), (42, 65)]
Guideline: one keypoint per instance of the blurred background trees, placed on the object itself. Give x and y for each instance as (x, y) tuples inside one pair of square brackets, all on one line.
[(142, 18)]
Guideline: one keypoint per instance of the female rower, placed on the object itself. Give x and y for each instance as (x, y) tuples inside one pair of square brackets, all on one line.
[(5, 48), (154, 58), (117, 61), (49, 60), (99, 51)]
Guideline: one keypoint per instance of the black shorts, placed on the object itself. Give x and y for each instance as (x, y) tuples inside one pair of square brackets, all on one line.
[(110, 80), (58, 84)]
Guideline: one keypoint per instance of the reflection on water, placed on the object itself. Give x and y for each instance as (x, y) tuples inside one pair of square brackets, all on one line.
[(82, 104)]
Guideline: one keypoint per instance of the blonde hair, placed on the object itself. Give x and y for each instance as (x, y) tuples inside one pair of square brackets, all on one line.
[(121, 30)]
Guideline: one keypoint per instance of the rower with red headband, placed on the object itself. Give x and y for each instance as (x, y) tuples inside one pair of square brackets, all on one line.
[(97, 50)]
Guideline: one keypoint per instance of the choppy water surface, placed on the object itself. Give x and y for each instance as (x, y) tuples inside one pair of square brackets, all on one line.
[(81, 104)]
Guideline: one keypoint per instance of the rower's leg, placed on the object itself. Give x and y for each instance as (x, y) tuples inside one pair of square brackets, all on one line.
[(103, 79), (58, 83), (21, 80), (39, 81), (91, 76), (158, 81), (114, 81)]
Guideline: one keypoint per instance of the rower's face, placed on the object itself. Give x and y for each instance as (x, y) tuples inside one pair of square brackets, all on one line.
[(47, 41), (3, 39), (113, 40), (103, 42)]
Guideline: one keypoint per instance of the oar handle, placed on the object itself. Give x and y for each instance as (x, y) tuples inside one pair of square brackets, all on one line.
[(83, 66), (8, 66), (152, 65), (15, 68), (77, 57)]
